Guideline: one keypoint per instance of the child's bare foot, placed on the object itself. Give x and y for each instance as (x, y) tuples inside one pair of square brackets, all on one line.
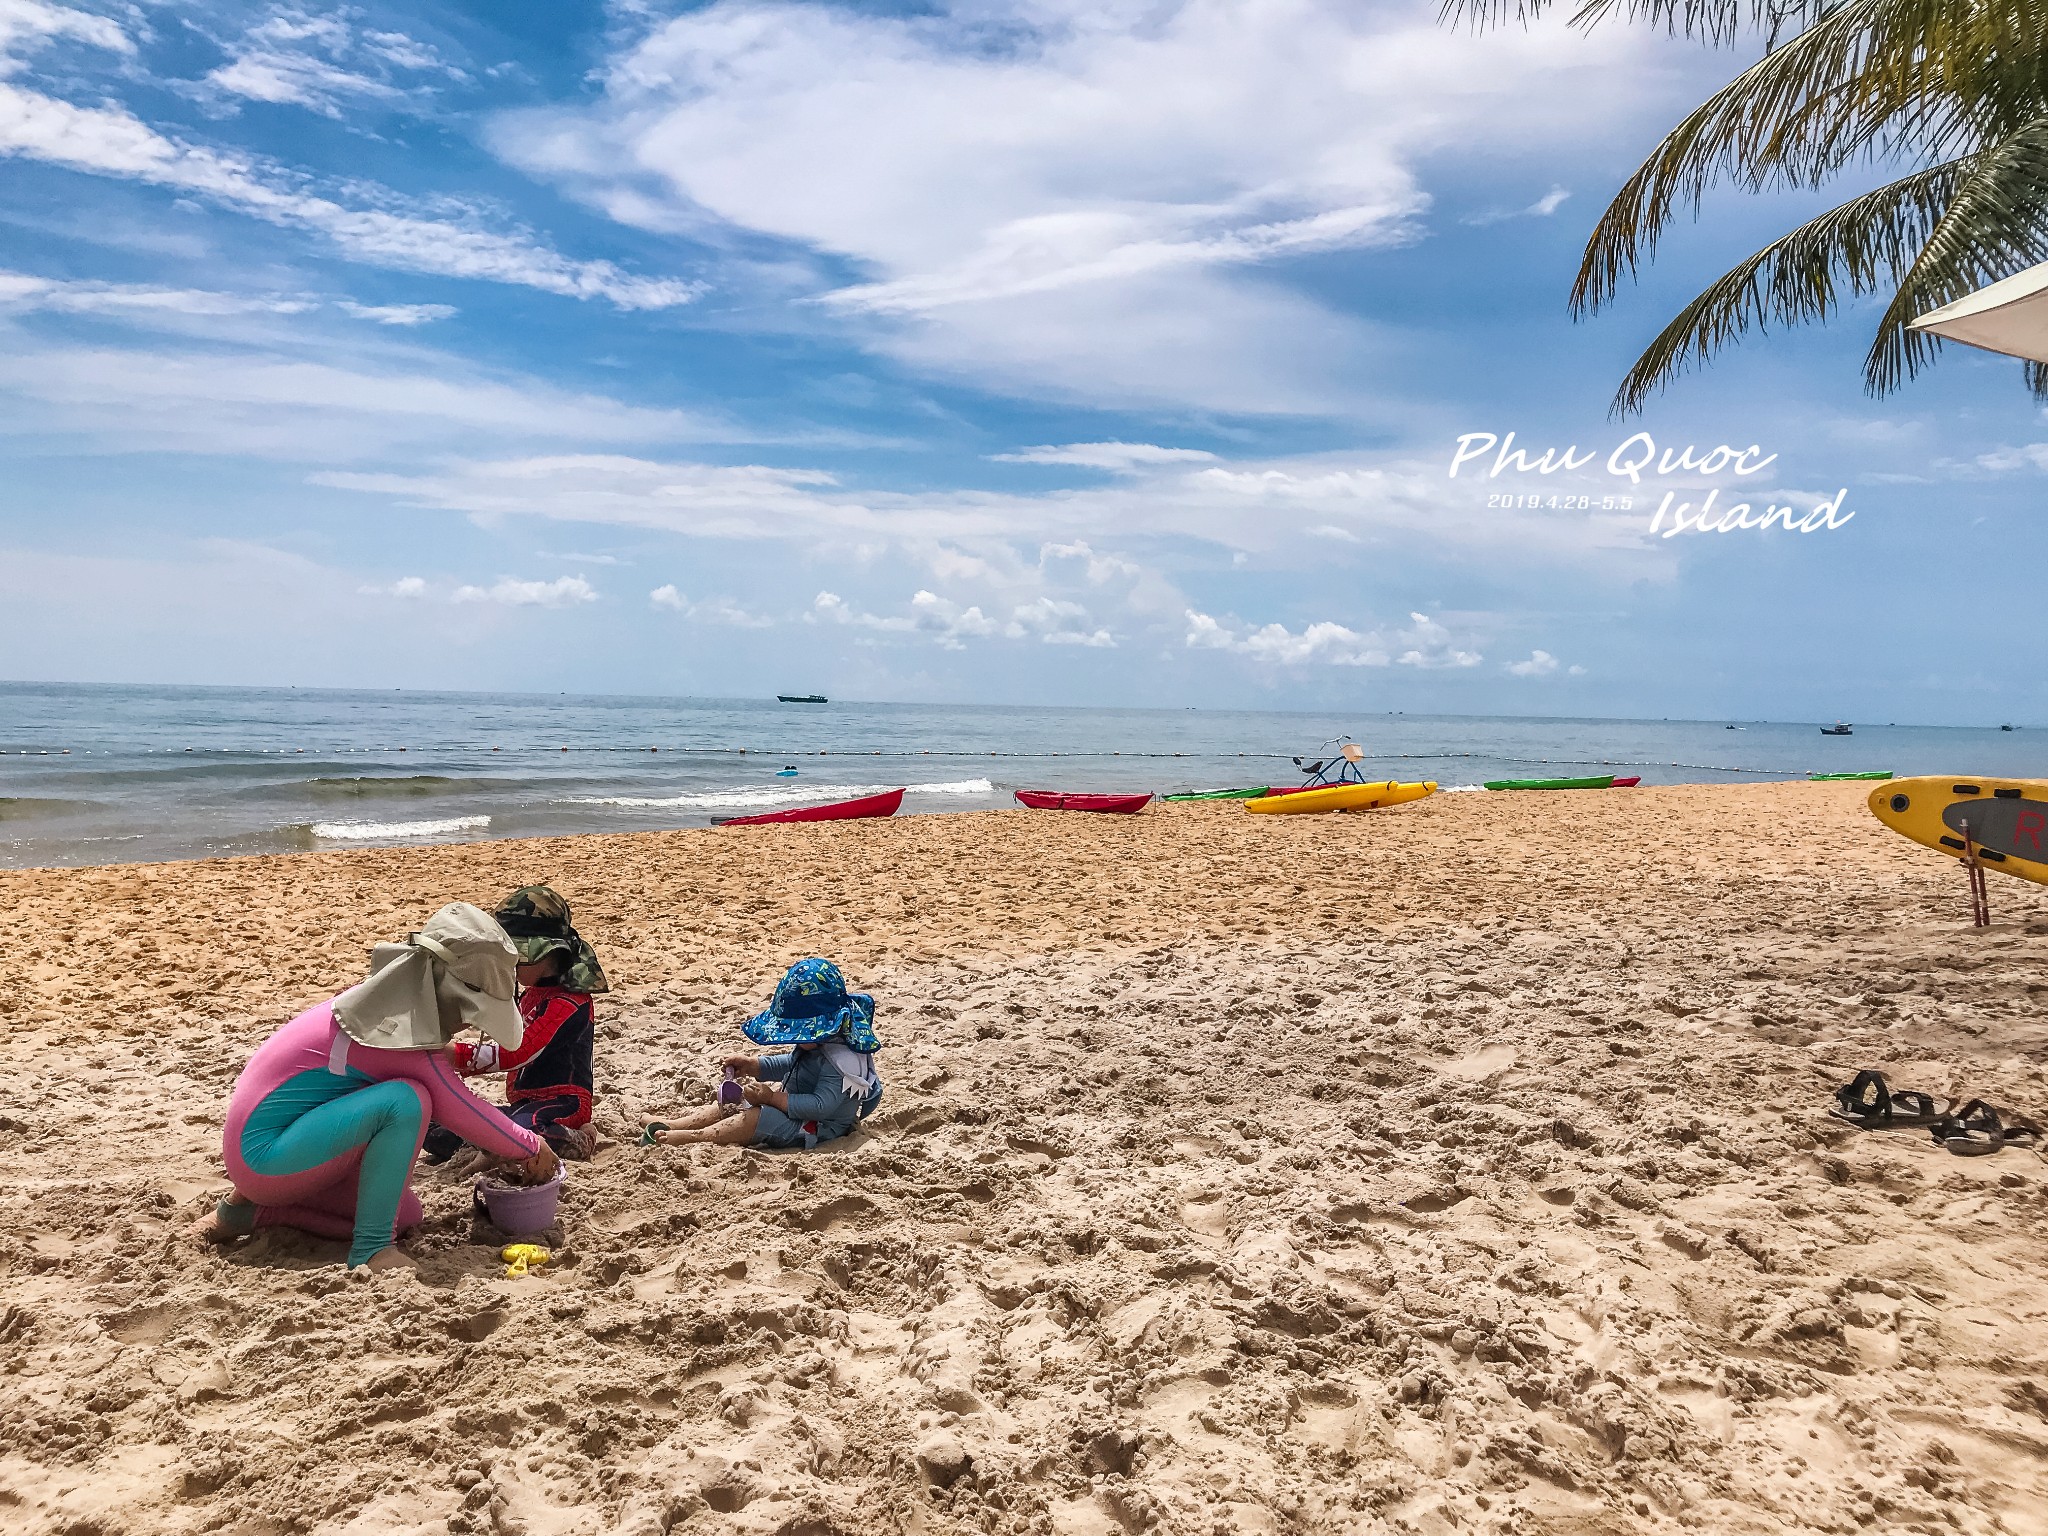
[(227, 1221), (392, 1257)]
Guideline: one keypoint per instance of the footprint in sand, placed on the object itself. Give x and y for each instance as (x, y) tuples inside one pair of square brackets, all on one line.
[(1482, 1063), (1207, 1214)]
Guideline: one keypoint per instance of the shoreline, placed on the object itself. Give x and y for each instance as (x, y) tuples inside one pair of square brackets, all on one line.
[(1463, 1165)]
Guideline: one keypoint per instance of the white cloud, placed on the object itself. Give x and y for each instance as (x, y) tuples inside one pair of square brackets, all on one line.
[(714, 610), (1539, 664), (1424, 643), (951, 624), (1542, 208), (318, 61), (21, 291), (275, 404), (24, 291), (29, 24), (398, 314), (1066, 196), (2003, 461), (1263, 505), (405, 586), (1057, 622), (512, 592), (1122, 458), (831, 608), (109, 141), (1429, 644), (1326, 642)]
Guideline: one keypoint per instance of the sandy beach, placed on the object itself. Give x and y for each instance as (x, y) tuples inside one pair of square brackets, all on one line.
[(1458, 1167)]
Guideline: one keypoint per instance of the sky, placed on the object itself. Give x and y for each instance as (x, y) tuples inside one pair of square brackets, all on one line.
[(1041, 352)]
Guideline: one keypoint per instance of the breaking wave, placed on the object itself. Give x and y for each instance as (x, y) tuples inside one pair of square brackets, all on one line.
[(778, 794), (370, 831)]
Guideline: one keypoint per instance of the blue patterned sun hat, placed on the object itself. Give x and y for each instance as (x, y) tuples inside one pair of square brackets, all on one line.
[(811, 1003)]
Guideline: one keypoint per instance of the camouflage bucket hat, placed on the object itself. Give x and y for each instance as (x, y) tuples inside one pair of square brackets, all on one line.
[(537, 918)]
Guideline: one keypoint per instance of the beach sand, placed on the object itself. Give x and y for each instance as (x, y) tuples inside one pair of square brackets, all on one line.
[(1460, 1167)]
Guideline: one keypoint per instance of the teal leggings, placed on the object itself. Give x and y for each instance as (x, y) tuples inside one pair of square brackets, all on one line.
[(323, 1150)]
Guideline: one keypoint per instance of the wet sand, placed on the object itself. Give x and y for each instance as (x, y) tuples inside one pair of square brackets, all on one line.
[(1463, 1166)]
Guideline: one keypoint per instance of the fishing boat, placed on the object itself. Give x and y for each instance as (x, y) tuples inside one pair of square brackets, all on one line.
[(860, 809), (1340, 797), (1221, 794), (1839, 728), (1055, 800), (1594, 781), (801, 698)]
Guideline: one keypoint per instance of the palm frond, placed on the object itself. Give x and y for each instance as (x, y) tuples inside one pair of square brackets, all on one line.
[(1931, 79), (1995, 224), (1713, 21), (1801, 276)]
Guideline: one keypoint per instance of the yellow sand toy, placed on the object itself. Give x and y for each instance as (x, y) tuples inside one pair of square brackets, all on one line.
[(521, 1257)]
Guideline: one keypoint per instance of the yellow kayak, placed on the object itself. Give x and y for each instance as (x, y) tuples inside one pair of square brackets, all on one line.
[(1341, 797), (2008, 818)]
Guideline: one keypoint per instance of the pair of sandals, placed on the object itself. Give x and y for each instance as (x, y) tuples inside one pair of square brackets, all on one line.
[(1970, 1129)]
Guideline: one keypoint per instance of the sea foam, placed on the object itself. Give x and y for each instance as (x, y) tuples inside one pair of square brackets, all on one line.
[(367, 831), (779, 794)]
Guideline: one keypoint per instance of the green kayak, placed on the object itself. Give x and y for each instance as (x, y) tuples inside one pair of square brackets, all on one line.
[(1823, 777), (1219, 794), (1601, 781)]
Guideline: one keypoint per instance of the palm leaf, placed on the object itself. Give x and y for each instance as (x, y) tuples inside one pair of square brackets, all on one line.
[(1874, 77), (1715, 21), (1994, 224), (1800, 276)]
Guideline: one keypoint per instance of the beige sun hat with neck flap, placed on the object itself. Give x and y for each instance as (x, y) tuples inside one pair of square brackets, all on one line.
[(456, 973)]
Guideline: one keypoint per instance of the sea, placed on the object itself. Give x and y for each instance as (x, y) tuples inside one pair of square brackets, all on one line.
[(94, 774)]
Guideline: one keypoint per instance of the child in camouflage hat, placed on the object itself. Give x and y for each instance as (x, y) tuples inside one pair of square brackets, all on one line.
[(549, 1082)]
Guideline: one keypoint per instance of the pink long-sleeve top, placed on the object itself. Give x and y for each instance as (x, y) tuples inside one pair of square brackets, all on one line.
[(314, 1042)]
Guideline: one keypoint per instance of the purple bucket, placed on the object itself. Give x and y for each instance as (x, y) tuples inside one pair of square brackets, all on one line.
[(520, 1209)]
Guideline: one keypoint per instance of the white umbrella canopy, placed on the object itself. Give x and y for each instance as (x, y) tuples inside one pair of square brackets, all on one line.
[(2009, 316)]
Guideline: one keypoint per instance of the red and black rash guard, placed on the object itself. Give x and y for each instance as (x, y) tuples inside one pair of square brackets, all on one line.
[(552, 1059)]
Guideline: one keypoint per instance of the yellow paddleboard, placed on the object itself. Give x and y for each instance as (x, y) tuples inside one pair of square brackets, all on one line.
[(2007, 817), (1340, 797)]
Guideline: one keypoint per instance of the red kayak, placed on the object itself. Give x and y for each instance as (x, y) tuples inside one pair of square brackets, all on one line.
[(1628, 783), (1052, 800), (884, 804)]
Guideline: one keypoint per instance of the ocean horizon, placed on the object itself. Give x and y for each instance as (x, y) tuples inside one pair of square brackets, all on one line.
[(112, 773)]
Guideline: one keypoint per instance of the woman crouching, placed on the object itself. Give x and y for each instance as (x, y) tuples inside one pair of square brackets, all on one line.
[(815, 1091), (325, 1121)]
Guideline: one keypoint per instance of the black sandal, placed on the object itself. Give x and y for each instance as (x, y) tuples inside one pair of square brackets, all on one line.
[(1868, 1103), (1976, 1130)]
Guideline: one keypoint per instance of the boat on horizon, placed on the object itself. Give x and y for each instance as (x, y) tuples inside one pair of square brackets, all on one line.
[(801, 698), (1839, 728)]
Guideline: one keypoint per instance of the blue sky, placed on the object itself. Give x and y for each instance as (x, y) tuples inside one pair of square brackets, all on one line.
[(1033, 353)]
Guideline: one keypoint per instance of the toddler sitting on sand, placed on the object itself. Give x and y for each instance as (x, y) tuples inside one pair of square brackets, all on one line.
[(815, 1091), (549, 1082)]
